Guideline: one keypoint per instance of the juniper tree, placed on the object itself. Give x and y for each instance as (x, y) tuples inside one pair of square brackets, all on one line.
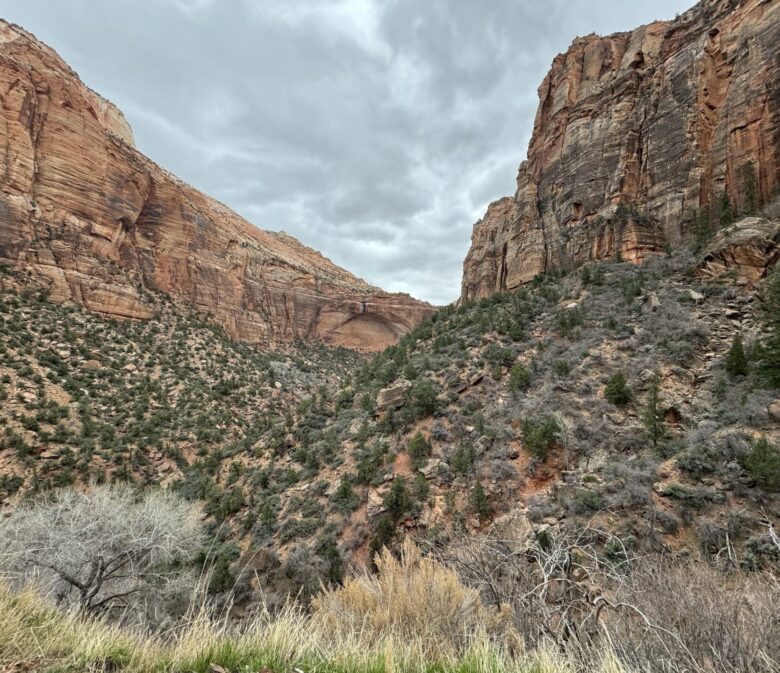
[(479, 500), (736, 361), (616, 390), (653, 413)]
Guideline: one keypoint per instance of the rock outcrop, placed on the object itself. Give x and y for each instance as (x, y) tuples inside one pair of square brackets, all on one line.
[(103, 224), (748, 249), (637, 133)]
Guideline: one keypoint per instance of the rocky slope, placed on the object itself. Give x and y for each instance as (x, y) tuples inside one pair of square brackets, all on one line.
[(80, 206), (639, 136)]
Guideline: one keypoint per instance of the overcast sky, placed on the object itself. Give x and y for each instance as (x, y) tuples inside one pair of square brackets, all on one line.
[(376, 131)]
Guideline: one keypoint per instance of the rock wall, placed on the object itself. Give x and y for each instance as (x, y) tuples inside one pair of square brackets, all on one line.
[(82, 208), (635, 133)]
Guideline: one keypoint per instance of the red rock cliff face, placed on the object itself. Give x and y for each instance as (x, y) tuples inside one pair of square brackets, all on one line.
[(82, 208), (633, 133)]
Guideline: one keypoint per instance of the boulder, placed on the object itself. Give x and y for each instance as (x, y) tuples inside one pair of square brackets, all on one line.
[(392, 397), (514, 526), (748, 249)]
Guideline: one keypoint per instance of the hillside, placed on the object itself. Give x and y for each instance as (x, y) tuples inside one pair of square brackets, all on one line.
[(488, 412)]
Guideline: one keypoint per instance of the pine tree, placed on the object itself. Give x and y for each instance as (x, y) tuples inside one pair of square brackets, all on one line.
[(736, 361), (747, 174), (479, 500), (653, 414), (726, 211)]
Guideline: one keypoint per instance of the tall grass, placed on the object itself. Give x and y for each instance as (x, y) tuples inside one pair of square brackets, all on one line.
[(415, 616)]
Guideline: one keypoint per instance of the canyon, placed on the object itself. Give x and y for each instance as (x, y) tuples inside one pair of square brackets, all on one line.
[(635, 136), (105, 227)]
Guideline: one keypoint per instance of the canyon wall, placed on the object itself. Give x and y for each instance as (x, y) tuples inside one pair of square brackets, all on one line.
[(102, 224), (636, 134)]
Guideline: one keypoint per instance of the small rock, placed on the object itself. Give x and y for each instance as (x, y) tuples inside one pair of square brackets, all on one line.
[(773, 409), (29, 396), (215, 668), (653, 301), (431, 468), (92, 365)]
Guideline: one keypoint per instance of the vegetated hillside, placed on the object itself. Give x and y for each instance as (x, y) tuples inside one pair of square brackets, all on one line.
[(513, 405), (86, 399)]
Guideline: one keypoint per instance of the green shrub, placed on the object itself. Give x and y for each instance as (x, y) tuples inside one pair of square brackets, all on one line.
[(587, 502), (763, 465), (616, 390), (397, 501), (539, 435), (419, 448), (479, 501), (519, 379), (344, 498), (736, 361)]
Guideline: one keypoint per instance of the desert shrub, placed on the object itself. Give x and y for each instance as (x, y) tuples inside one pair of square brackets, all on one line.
[(616, 390), (495, 354), (763, 464), (696, 462), (344, 498), (519, 379), (423, 398), (539, 435), (419, 448), (410, 599), (586, 502)]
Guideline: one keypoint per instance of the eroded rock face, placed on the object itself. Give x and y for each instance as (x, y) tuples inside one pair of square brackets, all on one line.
[(634, 132), (748, 248), (81, 207)]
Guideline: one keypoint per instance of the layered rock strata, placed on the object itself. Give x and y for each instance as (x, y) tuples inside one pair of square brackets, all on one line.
[(81, 208), (636, 135)]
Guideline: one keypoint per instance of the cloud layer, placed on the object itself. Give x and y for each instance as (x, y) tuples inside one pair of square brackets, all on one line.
[(376, 131)]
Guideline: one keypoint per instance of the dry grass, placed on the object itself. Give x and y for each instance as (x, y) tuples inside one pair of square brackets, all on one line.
[(415, 616), (412, 599)]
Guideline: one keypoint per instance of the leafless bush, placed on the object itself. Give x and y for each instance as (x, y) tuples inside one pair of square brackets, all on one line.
[(106, 551), (588, 593)]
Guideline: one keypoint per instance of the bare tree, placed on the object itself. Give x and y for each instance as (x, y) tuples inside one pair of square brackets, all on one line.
[(108, 549)]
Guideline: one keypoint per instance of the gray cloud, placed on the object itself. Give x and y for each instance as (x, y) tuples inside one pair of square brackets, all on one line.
[(374, 131)]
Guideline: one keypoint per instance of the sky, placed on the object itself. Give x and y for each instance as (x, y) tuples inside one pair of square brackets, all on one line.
[(375, 131)]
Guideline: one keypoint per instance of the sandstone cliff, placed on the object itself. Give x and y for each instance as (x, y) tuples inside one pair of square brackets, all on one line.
[(102, 223), (636, 132)]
